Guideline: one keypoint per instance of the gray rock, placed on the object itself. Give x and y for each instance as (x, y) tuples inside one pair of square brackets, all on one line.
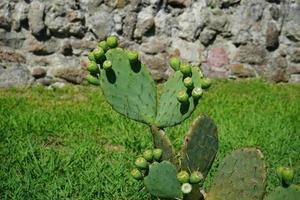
[(277, 69), (91, 6), (194, 15), (295, 55), (217, 20), (155, 45), (241, 71), (252, 54), (189, 51), (41, 48), (165, 24), (145, 23), (272, 36), (8, 55), (5, 15), (207, 36), (158, 65), (20, 15), (14, 76), (275, 12), (72, 75), (101, 23), (294, 78), (38, 72), (129, 25), (36, 18), (292, 25), (12, 39)]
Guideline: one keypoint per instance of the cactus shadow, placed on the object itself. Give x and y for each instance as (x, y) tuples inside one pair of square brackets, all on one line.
[(136, 66), (111, 76), (184, 108)]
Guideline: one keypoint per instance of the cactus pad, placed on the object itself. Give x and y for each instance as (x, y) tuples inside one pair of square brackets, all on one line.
[(280, 193), (242, 175), (161, 181), (129, 89), (200, 146), (171, 112), (162, 141)]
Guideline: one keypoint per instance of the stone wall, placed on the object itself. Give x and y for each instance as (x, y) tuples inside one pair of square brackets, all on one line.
[(47, 41)]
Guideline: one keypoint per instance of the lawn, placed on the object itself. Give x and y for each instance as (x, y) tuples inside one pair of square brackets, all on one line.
[(70, 144)]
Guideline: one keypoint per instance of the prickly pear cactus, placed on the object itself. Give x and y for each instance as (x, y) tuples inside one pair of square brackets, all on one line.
[(200, 146), (242, 175), (281, 193), (162, 141), (161, 181), (129, 88)]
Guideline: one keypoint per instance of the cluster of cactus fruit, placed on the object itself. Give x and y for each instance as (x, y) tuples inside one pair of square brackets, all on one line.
[(130, 89)]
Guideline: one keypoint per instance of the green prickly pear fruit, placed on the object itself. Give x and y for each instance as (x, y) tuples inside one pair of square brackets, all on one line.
[(148, 155), (205, 83), (198, 70), (196, 177), (112, 41), (103, 45), (186, 188), (133, 56), (92, 67), (91, 57), (98, 53), (287, 175), (136, 174), (183, 177), (92, 80), (175, 63), (141, 163), (185, 69), (188, 82), (279, 171), (157, 154), (107, 65), (197, 92), (182, 96)]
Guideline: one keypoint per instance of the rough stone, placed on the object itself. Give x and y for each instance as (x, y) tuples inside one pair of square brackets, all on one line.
[(295, 55), (12, 39), (129, 25), (217, 57), (252, 54), (193, 15), (295, 78), (38, 72), (72, 75), (241, 71), (36, 18), (213, 72), (207, 36), (275, 12), (101, 23), (158, 65), (11, 55), (145, 23), (5, 15), (188, 51), (272, 37), (278, 70), (155, 45), (41, 48), (14, 76), (293, 69)]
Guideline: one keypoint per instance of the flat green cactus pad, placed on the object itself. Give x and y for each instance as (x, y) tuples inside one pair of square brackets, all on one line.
[(200, 146), (241, 176), (170, 111), (280, 193), (129, 88), (162, 141), (162, 182)]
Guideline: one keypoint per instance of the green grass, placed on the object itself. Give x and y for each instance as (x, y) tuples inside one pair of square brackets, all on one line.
[(69, 144)]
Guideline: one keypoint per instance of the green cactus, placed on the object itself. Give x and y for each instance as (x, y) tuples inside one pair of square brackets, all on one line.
[(242, 175), (130, 89), (200, 146), (281, 193), (161, 181), (131, 92)]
